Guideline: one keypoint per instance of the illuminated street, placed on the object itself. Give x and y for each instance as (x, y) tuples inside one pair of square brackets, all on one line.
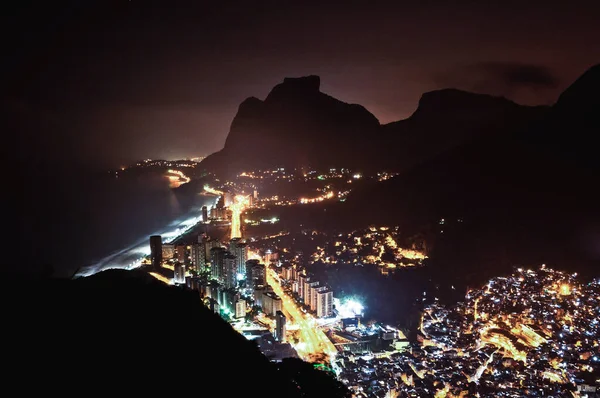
[(177, 178), (314, 345), (162, 278), (211, 190), (237, 207)]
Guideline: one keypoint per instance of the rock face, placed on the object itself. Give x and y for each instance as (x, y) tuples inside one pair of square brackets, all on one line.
[(446, 119), (572, 127), (582, 98), (298, 125)]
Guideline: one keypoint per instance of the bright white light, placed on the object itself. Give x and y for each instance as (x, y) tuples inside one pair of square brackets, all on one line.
[(301, 346), (240, 276), (348, 308), (143, 250)]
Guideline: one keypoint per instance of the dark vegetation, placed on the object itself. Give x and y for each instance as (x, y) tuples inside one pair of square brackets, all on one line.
[(121, 332)]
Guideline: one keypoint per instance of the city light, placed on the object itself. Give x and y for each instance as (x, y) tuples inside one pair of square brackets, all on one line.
[(239, 204), (213, 191), (314, 345), (554, 329), (177, 178), (317, 199), (565, 289), (162, 278)]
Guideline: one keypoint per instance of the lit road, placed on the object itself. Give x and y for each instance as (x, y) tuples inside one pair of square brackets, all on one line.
[(177, 178), (240, 202), (162, 278), (237, 207), (475, 378), (314, 345), (211, 190)]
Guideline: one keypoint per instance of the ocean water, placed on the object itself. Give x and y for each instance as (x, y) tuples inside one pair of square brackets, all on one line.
[(68, 220)]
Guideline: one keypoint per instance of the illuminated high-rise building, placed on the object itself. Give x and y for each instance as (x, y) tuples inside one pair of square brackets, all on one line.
[(212, 290), (249, 265), (198, 253), (217, 263), (240, 308), (230, 274), (302, 279), (271, 256), (227, 199), (324, 303), (214, 306), (257, 274), (240, 250), (156, 251), (232, 244), (308, 285), (168, 251), (227, 300), (209, 243), (271, 303), (313, 296), (180, 253), (218, 213), (179, 277), (286, 272), (258, 295), (204, 214), (193, 283), (277, 305), (280, 326)]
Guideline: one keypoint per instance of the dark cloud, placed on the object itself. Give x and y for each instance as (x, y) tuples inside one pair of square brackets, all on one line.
[(519, 75), (524, 83)]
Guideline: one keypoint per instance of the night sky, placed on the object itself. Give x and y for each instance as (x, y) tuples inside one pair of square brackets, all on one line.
[(109, 82)]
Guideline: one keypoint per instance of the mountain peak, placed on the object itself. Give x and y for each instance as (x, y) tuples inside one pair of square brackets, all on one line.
[(311, 82), (305, 85), (249, 105), (452, 99)]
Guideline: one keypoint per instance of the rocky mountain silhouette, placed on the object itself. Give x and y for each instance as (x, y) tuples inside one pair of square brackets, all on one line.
[(448, 118), (571, 128), (298, 125)]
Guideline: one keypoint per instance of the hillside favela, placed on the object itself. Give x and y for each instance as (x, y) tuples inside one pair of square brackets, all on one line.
[(317, 247)]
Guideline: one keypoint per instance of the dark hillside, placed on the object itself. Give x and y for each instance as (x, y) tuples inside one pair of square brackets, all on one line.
[(123, 332)]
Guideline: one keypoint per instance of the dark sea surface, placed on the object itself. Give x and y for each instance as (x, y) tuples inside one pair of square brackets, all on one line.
[(67, 219)]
